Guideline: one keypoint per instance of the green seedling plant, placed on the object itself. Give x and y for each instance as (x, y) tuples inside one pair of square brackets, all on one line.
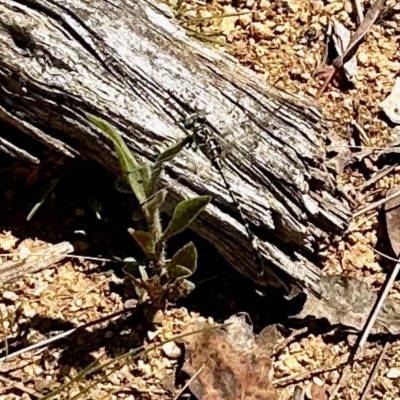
[(156, 278)]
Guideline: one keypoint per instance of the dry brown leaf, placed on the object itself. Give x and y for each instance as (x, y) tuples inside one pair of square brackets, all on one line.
[(235, 367), (318, 392), (348, 302), (341, 39)]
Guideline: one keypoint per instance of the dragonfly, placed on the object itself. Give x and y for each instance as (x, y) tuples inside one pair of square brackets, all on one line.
[(202, 138)]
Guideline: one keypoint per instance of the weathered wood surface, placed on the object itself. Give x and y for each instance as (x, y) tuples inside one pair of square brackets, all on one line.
[(131, 64)]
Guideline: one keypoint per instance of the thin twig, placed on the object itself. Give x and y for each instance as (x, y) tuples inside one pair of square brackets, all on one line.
[(378, 305), (383, 254), (374, 371), (189, 382), (363, 134), (342, 377), (378, 177), (81, 295), (365, 147), (361, 222), (20, 387), (360, 10), (363, 28), (201, 19), (211, 278), (292, 379), (61, 336), (44, 253), (377, 204)]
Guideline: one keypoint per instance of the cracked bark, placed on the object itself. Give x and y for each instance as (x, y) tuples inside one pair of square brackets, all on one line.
[(132, 65)]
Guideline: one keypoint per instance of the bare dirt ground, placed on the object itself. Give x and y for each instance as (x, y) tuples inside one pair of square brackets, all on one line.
[(284, 41)]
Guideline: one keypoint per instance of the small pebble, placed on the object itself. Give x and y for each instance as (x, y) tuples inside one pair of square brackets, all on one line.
[(8, 295), (393, 373), (152, 334), (292, 364), (171, 350), (318, 381)]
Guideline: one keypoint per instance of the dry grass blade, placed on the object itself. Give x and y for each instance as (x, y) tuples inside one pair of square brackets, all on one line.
[(187, 384), (377, 204), (47, 192), (200, 19), (205, 38), (360, 11), (373, 372), (297, 378), (63, 335), (377, 307), (180, 16), (33, 394), (383, 254)]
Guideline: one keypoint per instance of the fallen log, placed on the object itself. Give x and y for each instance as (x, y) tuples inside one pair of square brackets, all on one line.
[(131, 64)]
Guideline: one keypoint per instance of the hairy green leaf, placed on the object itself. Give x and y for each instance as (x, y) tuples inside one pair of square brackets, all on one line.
[(131, 269), (183, 263), (146, 174), (144, 240), (154, 203), (162, 158), (137, 274), (184, 214), (128, 162)]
